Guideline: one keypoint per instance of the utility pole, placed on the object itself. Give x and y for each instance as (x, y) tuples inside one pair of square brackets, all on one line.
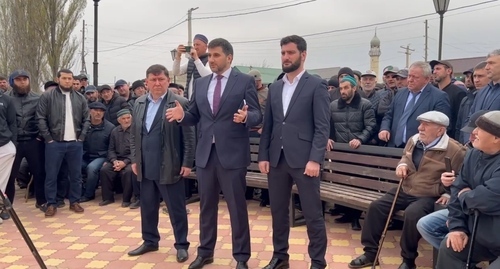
[(84, 66), (190, 31), (408, 52), (426, 52), (96, 64)]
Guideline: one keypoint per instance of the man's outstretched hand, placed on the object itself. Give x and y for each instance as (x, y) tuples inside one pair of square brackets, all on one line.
[(176, 113)]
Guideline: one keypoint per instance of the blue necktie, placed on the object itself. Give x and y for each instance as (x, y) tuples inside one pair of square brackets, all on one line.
[(400, 138)]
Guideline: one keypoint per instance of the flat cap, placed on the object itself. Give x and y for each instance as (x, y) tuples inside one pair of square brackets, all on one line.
[(490, 122), (435, 117), (97, 105)]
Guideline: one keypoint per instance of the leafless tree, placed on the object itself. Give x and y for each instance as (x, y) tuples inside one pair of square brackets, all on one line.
[(37, 36)]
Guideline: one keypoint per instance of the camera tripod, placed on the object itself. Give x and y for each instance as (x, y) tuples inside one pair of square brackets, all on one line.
[(8, 206)]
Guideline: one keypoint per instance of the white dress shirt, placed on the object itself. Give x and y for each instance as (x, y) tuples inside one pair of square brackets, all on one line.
[(213, 82), (289, 89)]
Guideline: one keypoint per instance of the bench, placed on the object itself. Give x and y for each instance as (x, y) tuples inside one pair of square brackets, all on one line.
[(350, 177), (357, 177)]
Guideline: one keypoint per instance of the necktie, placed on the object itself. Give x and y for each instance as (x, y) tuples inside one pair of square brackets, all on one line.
[(400, 137), (217, 95)]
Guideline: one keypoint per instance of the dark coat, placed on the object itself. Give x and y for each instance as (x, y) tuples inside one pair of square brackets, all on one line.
[(352, 121), (96, 143), (116, 104), (177, 146)]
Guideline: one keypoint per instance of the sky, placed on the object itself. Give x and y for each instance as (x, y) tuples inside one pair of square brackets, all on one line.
[(468, 32)]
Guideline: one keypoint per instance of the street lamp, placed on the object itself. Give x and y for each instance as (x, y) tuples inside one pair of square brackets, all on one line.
[(96, 5), (173, 53), (441, 7)]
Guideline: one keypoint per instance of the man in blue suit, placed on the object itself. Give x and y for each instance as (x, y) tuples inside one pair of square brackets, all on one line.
[(400, 122), (224, 105)]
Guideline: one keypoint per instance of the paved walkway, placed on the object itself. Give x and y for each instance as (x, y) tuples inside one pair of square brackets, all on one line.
[(101, 237)]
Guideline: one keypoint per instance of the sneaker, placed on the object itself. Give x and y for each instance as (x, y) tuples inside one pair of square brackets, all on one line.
[(136, 204), (76, 207), (51, 211), (125, 204)]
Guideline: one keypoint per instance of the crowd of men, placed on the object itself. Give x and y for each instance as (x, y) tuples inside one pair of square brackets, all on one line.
[(143, 141)]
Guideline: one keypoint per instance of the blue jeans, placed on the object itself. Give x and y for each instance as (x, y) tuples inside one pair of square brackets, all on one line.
[(92, 167), (55, 153), (433, 227)]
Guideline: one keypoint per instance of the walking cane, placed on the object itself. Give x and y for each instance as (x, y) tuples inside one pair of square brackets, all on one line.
[(387, 223), (472, 237), (8, 206)]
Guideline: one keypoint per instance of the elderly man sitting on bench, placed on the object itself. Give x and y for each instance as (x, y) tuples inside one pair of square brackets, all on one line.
[(420, 168)]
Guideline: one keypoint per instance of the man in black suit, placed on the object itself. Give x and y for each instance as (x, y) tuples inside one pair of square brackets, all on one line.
[(400, 122), (162, 153), (224, 105), (292, 149)]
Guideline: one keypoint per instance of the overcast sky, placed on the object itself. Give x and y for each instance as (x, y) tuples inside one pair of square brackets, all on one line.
[(468, 32)]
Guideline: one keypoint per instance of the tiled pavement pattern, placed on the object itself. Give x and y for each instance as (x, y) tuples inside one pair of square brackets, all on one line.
[(101, 237)]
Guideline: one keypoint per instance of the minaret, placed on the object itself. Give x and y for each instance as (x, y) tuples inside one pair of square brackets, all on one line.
[(375, 55)]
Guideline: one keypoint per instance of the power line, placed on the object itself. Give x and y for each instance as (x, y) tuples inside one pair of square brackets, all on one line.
[(368, 25), (245, 9), (254, 12), (147, 38)]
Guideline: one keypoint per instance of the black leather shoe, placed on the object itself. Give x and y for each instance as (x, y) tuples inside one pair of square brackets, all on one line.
[(106, 202), (361, 262), (199, 262), (276, 263), (355, 226), (182, 255), (86, 199), (143, 249), (406, 265), (242, 265)]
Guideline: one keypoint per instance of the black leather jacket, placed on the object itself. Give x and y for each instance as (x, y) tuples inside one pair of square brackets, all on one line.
[(51, 113), (26, 105)]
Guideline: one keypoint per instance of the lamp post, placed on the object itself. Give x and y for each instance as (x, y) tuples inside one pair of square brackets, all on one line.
[(95, 63), (441, 7), (174, 53)]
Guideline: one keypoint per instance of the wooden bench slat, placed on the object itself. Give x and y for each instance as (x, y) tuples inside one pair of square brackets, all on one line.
[(366, 150), (365, 159), (360, 170), (372, 184)]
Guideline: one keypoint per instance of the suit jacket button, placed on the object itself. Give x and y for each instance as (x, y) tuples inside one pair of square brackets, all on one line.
[(283, 123), (281, 137)]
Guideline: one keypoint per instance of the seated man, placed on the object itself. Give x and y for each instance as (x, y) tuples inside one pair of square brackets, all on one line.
[(118, 161), (477, 188), (95, 148), (433, 227), (420, 169)]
